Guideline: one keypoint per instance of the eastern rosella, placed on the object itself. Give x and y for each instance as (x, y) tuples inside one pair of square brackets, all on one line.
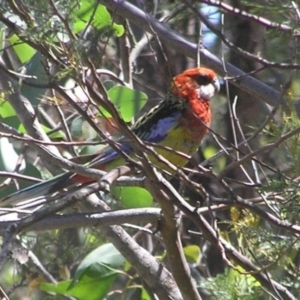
[(179, 122)]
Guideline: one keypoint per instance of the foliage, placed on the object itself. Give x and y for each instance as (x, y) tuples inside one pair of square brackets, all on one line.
[(233, 285), (96, 272), (88, 72)]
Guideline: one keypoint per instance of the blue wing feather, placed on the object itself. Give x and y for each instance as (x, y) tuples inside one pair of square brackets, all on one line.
[(147, 131), (158, 131)]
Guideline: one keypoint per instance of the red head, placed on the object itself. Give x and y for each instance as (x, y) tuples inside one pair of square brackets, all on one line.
[(195, 87), (201, 83)]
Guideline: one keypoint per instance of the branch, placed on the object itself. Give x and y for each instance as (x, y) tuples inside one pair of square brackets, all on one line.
[(169, 229), (180, 44), (40, 214), (26, 115), (263, 21), (233, 47), (157, 277), (78, 220), (268, 147)]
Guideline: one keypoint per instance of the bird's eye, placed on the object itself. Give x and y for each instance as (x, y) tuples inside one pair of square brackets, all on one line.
[(202, 79)]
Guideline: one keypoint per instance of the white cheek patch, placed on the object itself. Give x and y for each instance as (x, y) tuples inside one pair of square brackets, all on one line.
[(206, 91)]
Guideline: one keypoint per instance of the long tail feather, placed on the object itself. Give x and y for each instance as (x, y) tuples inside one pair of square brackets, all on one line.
[(38, 190)]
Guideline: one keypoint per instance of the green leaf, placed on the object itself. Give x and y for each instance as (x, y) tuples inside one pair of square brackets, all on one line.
[(209, 152), (22, 129), (245, 280), (219, 163), (76, 127), (81, 129), (192, 253), (101, 17), (108, 84), (145, 295), (92, 288), (23, 50), (6, 110), (132, 197), (54, 135), (2, 36), (36, 69), (101, 261), (128, 101), (95, 273)]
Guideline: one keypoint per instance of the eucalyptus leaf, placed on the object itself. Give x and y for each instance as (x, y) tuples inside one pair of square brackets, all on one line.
[(100, 17), (128, 101), (132, 197)]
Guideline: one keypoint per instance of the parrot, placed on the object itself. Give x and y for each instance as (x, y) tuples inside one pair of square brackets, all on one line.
[(179, 122)]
